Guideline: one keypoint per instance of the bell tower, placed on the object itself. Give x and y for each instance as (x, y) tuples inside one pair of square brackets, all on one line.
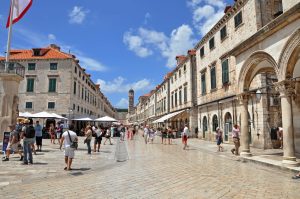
[(131, 101)]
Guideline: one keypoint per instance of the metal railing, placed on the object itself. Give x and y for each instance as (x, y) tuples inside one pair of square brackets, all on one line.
[(12, 68)]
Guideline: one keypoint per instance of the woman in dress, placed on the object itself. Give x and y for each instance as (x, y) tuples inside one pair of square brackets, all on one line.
[(52, 133), (219, 138)]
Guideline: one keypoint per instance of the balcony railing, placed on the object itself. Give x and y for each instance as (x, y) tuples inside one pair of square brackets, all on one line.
[(13, 68)]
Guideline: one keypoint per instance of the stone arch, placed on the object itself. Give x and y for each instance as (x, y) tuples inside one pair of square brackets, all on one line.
[(289, 56), (255, 65)]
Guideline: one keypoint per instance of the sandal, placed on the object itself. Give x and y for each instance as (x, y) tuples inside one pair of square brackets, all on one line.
[(65, 168)]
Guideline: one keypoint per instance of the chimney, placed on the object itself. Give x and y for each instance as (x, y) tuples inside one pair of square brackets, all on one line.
[(54, 46), (227, 8), (180, 58), (192, 52)]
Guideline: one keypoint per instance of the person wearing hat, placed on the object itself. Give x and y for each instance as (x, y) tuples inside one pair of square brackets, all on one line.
[(89, 136), (219, 138), (28, 135), (14, 143)]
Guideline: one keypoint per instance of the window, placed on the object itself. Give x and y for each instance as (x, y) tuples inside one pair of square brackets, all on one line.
[(180, 96), (74, 89), (175, 99), (53, 66), (204, 123), (184, 68), (175, 77), (202, 52), (30, 85), (223, 33), (214, 122), (75, 69), (52, 85), (51, 105), (179, 73), (203, 84), (185, 94), (212, 43), (172, 100), (31, 66), (78, 108), (165, 104), (74, 107), (79, 73), (238, 19), (225, 72), (28, 105), (172, 79), (82, 93), (213, 84)]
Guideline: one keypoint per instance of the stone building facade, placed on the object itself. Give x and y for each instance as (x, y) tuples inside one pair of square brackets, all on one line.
[(55, 82), (247, 72)]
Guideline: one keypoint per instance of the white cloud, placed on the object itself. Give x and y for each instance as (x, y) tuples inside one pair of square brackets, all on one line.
[(35, 39), (51, 37), (123, 103), (179, 41), (135, 44), (77, 15), (206, 13), (119, 85)]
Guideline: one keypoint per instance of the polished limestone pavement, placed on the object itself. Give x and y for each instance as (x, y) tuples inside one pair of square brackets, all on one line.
[(151, 171)]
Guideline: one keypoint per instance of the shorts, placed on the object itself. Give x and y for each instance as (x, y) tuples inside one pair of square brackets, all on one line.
[(184, 138), (164, 135), (69, 152), (13, 147), (219, 141), (39, 141), (58, 135), (98, 140)]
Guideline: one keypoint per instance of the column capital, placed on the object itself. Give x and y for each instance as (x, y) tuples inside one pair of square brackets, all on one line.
[(286, 88), (244, 97)]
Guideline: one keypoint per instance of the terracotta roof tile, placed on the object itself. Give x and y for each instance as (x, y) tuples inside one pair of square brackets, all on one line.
[(45, 53)]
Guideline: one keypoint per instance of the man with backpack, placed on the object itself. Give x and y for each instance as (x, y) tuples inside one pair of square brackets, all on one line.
[(14, 144), (28, 135)]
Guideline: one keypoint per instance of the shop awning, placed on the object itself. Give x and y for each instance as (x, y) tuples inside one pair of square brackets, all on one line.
[(168, 116)]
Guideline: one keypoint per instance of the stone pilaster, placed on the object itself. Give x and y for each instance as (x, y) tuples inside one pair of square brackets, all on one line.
[(245, 137), (286, 89)]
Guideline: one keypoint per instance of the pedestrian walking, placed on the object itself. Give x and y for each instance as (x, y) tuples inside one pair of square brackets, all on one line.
[(98, 139), (164, 136), (89, 136), (58, 132), (170, 135), (185, 135), (151, 135), (219, 138), (28, 135), (14, 144), (52, 133), (280, 136), (108, 136), (146, 134), (38, 136), (68, 138), (236, 139)]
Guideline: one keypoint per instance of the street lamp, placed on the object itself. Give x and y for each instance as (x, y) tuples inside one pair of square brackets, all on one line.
[(258, 95)]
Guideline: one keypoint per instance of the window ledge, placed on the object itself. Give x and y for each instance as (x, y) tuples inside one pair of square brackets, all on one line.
[(224, 38), (213, 90), (240, 25), (225, 85), (211, 49)]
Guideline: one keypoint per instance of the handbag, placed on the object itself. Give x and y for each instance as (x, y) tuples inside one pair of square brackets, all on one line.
[(74, 144)]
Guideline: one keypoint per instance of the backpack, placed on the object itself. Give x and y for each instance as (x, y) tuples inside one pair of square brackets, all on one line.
[(30, 132)]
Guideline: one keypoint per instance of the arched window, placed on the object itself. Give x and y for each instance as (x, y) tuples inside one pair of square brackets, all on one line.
[(214, 122), (228, 121), (204, 123)]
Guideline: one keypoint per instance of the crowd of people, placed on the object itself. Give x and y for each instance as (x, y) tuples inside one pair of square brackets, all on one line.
[(31, 136)]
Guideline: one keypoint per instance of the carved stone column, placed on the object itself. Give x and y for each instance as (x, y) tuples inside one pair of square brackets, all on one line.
[(245, 137), (286, 89)]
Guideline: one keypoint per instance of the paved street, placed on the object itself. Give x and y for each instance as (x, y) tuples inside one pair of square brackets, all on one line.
[(152, 171)]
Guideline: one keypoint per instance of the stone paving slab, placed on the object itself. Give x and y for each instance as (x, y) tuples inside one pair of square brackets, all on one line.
[(152, 171)]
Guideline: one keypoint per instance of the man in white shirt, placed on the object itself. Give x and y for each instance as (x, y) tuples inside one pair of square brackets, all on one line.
[(67, 138), (185, 135), (146, 133)]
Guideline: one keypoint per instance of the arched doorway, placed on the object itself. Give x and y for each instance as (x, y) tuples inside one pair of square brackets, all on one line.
[(227, 126), (215, 123), (204, 127)]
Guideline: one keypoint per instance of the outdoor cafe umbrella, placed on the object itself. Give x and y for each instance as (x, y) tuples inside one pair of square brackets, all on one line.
[(25, 114), (83, 119), (59, 116), (106, 119), (43, 115)]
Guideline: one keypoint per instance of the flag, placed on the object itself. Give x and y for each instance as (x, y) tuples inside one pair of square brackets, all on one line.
[(20, 7)]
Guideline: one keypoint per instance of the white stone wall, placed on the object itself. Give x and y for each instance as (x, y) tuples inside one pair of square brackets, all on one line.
[(287, 4)]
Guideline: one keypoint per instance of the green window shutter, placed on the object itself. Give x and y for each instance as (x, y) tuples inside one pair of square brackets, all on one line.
[(30, 85), (225, 72), (213, 78), (52, 85)]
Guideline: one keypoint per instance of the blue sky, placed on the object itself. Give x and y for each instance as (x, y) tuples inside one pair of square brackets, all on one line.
[(124, 44)]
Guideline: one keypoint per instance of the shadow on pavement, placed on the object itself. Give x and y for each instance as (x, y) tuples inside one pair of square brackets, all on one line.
[(40, 163)]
